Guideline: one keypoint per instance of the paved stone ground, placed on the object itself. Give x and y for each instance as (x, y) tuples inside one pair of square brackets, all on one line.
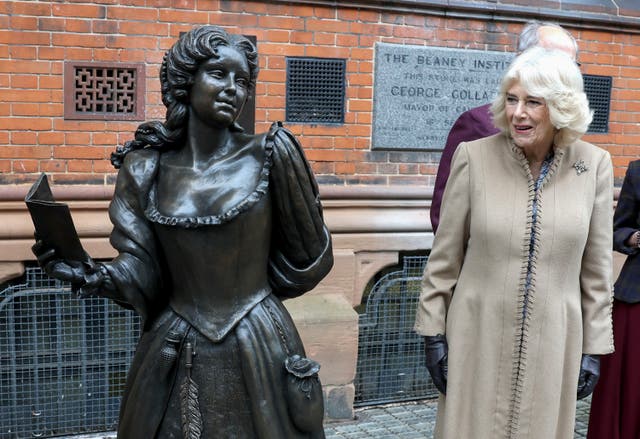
[(412, 421)]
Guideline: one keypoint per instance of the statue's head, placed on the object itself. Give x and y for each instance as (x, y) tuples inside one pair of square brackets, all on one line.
[(177, 76), (182, 61)]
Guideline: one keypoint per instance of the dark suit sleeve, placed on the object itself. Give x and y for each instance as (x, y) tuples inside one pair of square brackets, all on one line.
[(472, 125), (625, 219)]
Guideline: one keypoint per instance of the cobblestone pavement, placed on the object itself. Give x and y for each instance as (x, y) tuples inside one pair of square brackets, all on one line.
[(412, 421)]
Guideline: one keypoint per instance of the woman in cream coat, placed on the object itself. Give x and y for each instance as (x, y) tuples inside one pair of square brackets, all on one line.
[(516, 299)]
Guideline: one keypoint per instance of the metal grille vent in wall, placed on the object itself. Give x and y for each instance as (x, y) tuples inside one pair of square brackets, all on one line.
[(104, 91), (598, 90), (315, 90)]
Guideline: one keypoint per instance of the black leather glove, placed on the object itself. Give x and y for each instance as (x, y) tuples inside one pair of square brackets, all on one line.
[(589, 374), (436, 355)]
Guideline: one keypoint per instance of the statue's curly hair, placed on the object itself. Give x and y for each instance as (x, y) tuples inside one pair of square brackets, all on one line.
[(177, 74)]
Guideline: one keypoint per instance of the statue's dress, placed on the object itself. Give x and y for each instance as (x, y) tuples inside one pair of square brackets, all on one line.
[(213, 283)]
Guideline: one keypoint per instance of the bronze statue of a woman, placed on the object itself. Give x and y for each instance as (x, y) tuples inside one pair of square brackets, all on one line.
[(213, 228)]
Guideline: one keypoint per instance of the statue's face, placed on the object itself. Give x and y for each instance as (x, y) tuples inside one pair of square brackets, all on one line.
[(220, 88)]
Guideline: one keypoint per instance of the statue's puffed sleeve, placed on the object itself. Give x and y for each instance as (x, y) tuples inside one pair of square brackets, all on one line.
[(136, 272), (301, 252)]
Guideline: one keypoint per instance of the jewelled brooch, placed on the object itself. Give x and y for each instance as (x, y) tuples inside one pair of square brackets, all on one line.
[(580, 167)]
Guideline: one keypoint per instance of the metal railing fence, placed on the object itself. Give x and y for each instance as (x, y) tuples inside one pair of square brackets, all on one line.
[(390, 355), (63, 360)]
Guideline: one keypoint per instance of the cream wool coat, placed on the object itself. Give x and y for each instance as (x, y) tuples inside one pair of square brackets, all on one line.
[(514, 374)]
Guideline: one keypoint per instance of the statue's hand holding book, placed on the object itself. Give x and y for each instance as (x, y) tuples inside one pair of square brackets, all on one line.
[(57, 248)]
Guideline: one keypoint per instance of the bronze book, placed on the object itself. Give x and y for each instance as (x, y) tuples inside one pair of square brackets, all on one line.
[(53, 223)]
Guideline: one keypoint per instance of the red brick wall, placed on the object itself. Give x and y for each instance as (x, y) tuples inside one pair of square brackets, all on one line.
[(37, 37)]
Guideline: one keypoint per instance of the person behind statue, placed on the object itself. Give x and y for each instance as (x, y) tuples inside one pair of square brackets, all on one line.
[(213, 228), (516, 297), (615, 406), (476, 123)]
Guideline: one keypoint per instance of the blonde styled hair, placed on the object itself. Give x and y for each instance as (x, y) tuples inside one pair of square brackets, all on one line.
[(553, 76)]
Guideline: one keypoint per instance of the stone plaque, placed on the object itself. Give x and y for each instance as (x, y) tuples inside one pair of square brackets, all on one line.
[(420, 91)]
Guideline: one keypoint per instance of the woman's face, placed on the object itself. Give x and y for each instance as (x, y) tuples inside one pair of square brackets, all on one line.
[(528, 116), (220, 87)]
